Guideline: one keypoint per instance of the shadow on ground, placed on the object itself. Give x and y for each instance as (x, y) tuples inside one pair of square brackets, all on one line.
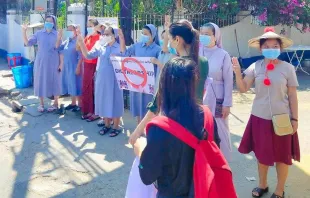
[(64, 156)]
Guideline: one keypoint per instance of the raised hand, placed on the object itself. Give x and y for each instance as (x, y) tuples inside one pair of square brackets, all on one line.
[(121, 35), (167, 22), (236, 65), (79, 35), (60, 34), (24, 27)]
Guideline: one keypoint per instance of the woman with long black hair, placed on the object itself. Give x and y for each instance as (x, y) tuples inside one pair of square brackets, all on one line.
[(173, 170), (185, 39)]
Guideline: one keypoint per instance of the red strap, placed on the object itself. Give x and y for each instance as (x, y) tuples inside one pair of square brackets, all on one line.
[(208, 122), (174, 129), (180, 132)]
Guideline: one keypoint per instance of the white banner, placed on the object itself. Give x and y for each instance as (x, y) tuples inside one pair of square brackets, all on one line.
[(134, 73), (111, 21)]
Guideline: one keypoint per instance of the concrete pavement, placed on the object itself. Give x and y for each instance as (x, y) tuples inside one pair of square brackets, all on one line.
[(63, 156)]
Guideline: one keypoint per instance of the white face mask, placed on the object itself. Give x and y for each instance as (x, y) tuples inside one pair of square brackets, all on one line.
[(105, 40)]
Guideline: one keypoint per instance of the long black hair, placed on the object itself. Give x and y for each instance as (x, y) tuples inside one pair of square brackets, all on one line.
[(176, 94), (189, 35)]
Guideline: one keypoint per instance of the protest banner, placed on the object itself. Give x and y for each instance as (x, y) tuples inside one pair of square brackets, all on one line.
[(111, 21), (134, 73)]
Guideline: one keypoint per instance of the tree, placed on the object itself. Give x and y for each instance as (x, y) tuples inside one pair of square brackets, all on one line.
[(284, 12)]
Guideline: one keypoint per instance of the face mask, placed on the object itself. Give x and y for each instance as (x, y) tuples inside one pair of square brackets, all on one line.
[(205, 40), (144, 39), (271, 54), (90, 30), (161, 42), (69, 34), (48, 25), (171, 49), (105, 40)]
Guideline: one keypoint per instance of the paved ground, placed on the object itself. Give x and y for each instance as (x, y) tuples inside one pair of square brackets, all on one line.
[(52, 156)]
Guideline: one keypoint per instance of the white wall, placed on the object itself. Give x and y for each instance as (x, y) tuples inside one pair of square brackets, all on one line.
[(15, 41), (77, 16), (246, 31), (12, 42), (3, 36)]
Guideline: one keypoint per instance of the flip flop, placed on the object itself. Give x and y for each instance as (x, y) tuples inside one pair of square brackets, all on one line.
[(85, 117), (277, 196), (41, 108), (91, 119), (259, 191), (52, 108)]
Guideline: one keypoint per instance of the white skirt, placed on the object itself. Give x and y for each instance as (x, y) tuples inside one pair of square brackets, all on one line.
[(135, 187)]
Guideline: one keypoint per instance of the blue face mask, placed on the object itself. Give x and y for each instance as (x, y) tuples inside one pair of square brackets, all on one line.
[(161, 43), (90, 30), (48, 25), (172, 50), (271, 54), (205, 40), (144, 39), (69, 34)]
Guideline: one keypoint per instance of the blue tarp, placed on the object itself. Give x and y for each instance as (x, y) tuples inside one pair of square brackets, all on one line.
[(246, 62)]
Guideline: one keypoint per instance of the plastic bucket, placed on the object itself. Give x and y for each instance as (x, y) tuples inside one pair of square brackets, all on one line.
[(23, 76), (14, 59)]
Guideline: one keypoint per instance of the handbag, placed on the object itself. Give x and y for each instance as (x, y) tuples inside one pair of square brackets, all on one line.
[(218, 105), (281, 123)]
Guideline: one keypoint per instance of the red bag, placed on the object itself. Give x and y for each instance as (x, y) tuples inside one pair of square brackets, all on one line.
[(212, 174)]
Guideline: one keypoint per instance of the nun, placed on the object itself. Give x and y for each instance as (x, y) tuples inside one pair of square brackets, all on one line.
[(47, 64), (72, 70), (148, 46), (109, 102)]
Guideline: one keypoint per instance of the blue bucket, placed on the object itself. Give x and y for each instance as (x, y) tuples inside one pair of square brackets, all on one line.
[(14, 59), (23, 76)]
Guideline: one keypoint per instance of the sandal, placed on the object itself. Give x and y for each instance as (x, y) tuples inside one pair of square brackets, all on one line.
[(76, 109), (115, 132), (41, 109), (277, 196), (85, 117), (61, 110), (92, 118), (52, 108), (101, 123), (259, 191), (70, 107), (104, 130)]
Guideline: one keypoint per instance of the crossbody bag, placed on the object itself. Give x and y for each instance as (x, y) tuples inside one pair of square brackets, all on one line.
[(218, 105), (282, 122)]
